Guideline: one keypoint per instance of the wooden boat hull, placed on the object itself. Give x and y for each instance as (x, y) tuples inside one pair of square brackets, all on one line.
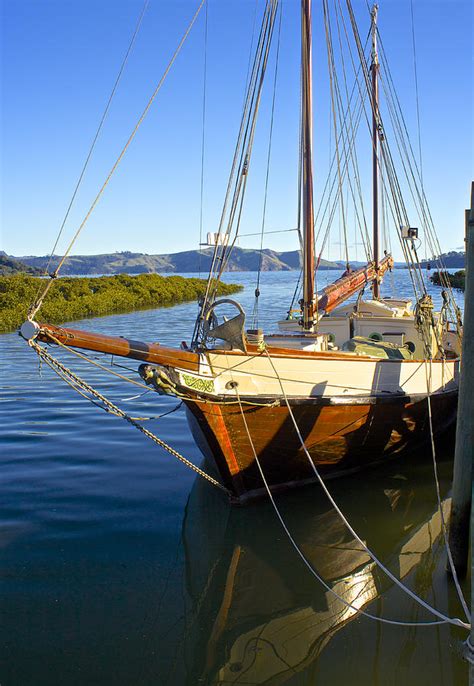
[(352, 410), (341, 436)]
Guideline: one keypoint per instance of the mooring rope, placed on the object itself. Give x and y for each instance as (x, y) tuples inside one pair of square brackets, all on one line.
[(358, 610), (84, 388), (438, 493), (444, 619)]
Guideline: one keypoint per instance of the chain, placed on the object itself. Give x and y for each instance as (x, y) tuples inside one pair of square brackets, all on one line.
[(109, 406)]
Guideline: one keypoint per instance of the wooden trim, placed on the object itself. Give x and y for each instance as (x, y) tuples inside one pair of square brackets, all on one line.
[(225, 441), (253, 350), (261, 401)]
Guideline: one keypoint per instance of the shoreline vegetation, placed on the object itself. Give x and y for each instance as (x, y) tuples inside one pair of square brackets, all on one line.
[(80, 298), (457, 280)]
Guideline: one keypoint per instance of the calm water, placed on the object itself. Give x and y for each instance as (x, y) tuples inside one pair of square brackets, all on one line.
[(119, 567)]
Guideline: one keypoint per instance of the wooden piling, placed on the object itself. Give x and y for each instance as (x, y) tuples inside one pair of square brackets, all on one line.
[(464, 452)]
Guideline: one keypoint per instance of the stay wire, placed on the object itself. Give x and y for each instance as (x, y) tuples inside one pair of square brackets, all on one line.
[(236, 167), (240, 170), (455, 621), (416, 91), (401, 129), (203, 136), (36, 306), (247, 151), (249, 64), (363, 65), (331, 70), (348, 151), (308, 564), (96, 136), (329, 206), (396, 203), (363, 227), (267, 175), (429, 373)]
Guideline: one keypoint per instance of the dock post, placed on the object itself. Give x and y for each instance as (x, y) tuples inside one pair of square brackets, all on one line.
[(464, 451)]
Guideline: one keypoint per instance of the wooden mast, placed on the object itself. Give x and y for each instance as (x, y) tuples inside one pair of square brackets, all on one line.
[(309, 306), (375, 149)]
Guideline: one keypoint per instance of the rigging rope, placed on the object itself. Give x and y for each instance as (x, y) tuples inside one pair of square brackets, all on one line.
[(349, 154), (366, 240), (443, 619), (239, 195), (269, 153), (416, 91), (204, 88), (96, 136), (455, 621), (428, 372), (396, 201), (37, 304), (237, 160), (88, 392), (423, 209), (235, 193), (332, 71)]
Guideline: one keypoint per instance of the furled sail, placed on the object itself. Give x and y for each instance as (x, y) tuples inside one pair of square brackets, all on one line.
[(350, 283)]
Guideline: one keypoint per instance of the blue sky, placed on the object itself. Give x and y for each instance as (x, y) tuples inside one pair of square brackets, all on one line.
[(59, 62)]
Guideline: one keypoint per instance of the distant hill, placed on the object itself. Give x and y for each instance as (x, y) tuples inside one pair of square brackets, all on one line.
[(10, 265), (451, 260), (242, 260)]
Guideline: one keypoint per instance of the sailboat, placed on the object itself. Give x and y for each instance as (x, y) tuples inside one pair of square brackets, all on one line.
[(343, 385)]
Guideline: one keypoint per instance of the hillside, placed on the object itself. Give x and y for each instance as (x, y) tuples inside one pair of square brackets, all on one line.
[(181, 262), (10, 265), (189, 261)]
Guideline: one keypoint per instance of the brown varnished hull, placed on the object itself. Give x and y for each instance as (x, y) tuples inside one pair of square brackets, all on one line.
[(341, 438)]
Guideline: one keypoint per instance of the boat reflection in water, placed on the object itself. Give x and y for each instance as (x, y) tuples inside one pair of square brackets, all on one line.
[(261, 618)]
